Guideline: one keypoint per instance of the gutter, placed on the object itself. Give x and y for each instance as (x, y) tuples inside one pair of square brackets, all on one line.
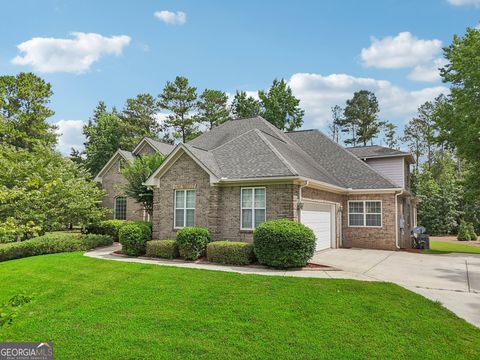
[(396, 219), (300, 204)]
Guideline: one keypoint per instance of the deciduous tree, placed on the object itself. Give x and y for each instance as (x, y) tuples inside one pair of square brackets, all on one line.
[(244, 106)]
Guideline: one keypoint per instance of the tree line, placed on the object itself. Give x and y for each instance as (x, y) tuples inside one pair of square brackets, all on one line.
[(187, 114)]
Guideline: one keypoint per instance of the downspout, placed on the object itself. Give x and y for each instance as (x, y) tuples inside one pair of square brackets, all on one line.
[(299, 202), (396, 219)]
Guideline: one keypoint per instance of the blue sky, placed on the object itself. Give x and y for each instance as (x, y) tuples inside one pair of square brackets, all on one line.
[(113, 50)]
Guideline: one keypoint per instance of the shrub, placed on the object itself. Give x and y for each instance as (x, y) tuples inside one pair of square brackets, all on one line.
[(230, 252), (107, 227), (471, 231), (283, 243), (463, 232), (133, 238), (162, 248), (52, 243), (192, 242)]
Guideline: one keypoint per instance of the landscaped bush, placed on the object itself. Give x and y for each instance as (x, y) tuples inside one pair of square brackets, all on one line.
[(107, 227), (52, 243), (167, 249), (283, 243), (230, 252), (471, 231), (463, 232), (192, 242), (134, 237)]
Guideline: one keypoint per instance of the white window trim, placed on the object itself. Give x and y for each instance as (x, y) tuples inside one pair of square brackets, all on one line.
[(253, 208), (115, 207), (184, 208), (365, 214)]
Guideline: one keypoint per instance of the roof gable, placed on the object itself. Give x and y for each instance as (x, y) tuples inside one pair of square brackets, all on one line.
[(158, 146), (376, 151), (119, 154)]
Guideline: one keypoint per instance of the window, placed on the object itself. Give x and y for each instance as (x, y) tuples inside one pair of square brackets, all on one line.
[(120, 208), (120, 165), (184, 208), (253, 207), (365, 213)]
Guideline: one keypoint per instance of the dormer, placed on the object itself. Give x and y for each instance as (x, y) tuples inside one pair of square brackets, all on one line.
[(391, 163)]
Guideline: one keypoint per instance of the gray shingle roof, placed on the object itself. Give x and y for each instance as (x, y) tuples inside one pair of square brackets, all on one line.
[(372, 151), (253, 148), (127, 155), (161, 147), (341, 164)]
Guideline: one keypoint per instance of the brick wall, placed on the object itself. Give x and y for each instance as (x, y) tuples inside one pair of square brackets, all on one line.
[(372, 238), (113, 183), (217, 208)]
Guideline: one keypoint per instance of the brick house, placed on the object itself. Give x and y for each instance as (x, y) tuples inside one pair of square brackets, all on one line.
[(113, 182), (244, 172)]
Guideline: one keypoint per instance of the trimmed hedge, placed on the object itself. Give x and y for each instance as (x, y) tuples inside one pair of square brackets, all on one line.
[(230, 252), (192, 242), (107, 227), (167, 249), (283, 243), (134, 237), (53, 243)]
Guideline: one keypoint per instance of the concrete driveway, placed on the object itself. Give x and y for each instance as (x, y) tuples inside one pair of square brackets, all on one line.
[(453, 279)]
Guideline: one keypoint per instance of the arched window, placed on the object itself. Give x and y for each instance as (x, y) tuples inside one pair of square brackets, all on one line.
[(120, 208)]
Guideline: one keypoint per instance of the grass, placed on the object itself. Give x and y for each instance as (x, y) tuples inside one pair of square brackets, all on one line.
[(440, 247), (98, 309)]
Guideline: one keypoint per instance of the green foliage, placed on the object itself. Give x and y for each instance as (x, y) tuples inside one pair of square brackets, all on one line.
[(391, 139), (360, 118), (440, 193), (334, 125), (213, 108), (244, 106), (134, 237), (40, 191), (24, 100), (460, 127), (192, 242), (139, 115), (421, 132), (180, 99), (52, 243), (280, 107), (283, 243), (463, 232), (167, 249), (136, 174), (9, 310), (107, 227), (108, 131), (230, 252), (104, 136), (471, 231)]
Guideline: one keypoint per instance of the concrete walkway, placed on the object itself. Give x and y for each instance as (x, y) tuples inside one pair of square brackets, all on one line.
[(452, 279)]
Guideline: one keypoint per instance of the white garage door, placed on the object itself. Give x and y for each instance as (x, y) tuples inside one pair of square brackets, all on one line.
[(321, 219)]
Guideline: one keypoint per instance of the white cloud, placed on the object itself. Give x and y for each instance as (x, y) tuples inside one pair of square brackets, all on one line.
[(170, 17), (76, 55), (319, 93), (428, 72), (465, 2), (70, 135), (401, 51)]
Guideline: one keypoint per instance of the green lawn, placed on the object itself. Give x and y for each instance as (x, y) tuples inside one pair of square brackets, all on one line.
[(98, 309), (440, 247)]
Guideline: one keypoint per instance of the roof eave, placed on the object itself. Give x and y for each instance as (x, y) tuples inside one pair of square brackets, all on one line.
[(98, 178)]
